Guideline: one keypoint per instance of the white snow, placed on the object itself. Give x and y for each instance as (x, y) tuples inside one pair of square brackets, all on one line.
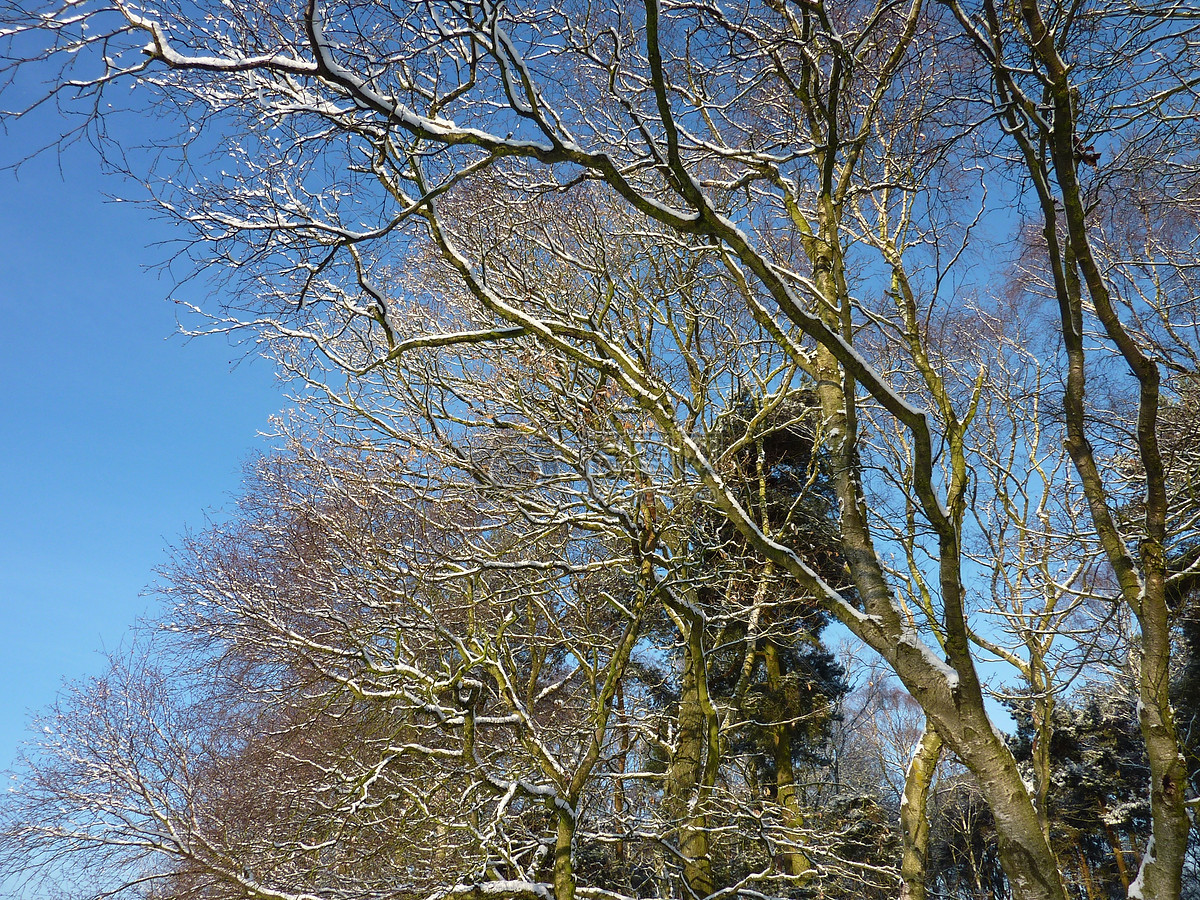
[(1136, 890)]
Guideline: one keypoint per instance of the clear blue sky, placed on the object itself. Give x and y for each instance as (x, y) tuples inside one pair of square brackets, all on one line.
[(114, 435)]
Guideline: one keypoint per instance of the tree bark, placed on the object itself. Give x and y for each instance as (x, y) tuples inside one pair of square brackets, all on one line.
[(795, 861), (683, 791), (914, 815)]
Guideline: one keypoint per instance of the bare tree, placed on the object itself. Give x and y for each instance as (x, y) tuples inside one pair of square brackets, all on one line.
[(599, 227), (365, 693), (1057, 76)]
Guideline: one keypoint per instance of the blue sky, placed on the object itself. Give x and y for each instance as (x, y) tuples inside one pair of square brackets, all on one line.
[(114, 435)]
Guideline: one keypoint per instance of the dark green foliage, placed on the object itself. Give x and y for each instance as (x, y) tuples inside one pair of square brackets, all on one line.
[(1185, 689), (964, 858), (1099, 806), (860, 829), (1185, 696), (1099, 796), (784, 480), (775, 458), (807, 698)]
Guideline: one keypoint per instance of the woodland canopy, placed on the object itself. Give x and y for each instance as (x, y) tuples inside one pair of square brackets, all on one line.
[(641, 343)]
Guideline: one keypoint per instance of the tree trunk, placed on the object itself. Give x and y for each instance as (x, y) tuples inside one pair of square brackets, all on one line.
[(914, 815), (1085, 873), (682, 800), (1114, 841), (620, 765), (564, 869), (950, 694), (795, 861)]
